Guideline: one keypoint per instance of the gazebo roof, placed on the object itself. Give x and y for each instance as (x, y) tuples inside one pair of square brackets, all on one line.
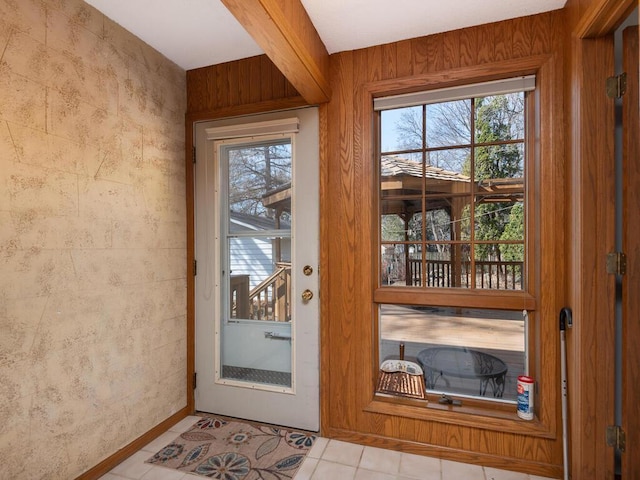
[(401, 184), (393, 166)]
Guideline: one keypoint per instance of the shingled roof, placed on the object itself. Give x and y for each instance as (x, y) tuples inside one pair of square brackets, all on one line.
[(392, 166)]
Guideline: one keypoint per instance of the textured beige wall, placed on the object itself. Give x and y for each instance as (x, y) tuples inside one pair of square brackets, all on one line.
[(92, 238)]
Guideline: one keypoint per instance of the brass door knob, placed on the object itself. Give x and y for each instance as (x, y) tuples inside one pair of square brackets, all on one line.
[(307, 295)]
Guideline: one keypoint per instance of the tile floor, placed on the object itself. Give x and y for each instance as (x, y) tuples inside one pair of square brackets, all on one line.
[(327, 460)]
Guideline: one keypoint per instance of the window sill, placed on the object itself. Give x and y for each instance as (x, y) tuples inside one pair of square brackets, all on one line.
[(473, 414)]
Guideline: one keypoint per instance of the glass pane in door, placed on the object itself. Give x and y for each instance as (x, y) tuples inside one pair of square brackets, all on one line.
[(255, 326)]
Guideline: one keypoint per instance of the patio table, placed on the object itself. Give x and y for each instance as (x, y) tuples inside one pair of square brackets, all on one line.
[(462, 362)]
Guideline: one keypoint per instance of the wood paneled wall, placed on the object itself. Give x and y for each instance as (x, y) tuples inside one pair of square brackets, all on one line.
[(347, 197), (251, 85)]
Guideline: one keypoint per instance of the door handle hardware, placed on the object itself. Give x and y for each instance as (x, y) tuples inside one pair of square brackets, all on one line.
[(276, 336), (307, 295), (307, 270)]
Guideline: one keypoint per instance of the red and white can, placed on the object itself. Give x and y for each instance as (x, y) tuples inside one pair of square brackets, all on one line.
[(525, 397)]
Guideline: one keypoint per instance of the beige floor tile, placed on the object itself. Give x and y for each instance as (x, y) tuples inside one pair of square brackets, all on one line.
[(495, 474), (333, 471), (380, 460), (420, 467), (162, 441), (184, 424), (161, 473), (134, 466), (456, 471), (319, 445), (306, 469), (343, 452), (362, 474)]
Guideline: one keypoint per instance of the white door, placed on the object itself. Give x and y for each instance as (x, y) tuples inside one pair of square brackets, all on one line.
[(257, 330)]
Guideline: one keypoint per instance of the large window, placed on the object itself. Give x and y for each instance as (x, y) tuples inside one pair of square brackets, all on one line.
[(454, 218)]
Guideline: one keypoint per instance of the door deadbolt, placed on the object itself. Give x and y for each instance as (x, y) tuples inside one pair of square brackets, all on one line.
[(307, 295), (307, 270)]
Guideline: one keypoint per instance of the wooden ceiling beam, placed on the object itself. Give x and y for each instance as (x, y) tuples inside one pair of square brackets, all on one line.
[(285, 32)]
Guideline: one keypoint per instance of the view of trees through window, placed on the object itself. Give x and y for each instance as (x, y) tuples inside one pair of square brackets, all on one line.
[(258, 229), (256, 171), (452, 193)]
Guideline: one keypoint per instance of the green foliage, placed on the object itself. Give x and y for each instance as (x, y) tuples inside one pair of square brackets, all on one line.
[(392, 228), (496, 120), (514, 230)]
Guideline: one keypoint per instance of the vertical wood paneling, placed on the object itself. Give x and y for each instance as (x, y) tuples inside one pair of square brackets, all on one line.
[(234, 86), (373, 62), (220, 92), (266, 82), (522, 45), (347, 305), (341, 242), (450, 50), (486, 44), (242, 83), (289, 90), (551, 280), (244, 88), (600, 111), (389, 61), (469, 46), (435, 53), (631, 247), (502, 46), (278, 89), (255, 80), (420, 55), (403, 58), (363, 65)]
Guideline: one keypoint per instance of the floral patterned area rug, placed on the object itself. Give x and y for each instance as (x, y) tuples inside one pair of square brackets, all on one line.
[(226, 449)]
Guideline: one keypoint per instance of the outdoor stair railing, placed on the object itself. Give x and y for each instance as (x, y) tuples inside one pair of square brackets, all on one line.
[(270, 299)]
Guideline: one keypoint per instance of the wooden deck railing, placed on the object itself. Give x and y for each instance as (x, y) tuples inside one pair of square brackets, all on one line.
[(489, 275)]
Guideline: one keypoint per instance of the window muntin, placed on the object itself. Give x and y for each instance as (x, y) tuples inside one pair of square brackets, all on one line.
[(452, 194)]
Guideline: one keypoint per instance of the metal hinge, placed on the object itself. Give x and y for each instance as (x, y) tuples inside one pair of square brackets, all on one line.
[(616, 263), (616, 437), (193, 153), (617, 86), (195, 267), (195, 380)]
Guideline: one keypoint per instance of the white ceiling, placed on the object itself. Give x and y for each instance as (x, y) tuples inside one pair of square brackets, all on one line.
[(198, 33)]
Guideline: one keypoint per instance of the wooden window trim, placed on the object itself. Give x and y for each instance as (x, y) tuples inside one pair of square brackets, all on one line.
[(470, 414), (544, 301), (456, 297)]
